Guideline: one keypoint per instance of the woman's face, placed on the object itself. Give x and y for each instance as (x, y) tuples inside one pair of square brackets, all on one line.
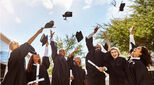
[(114, 53), (36, 58), (137, 52)]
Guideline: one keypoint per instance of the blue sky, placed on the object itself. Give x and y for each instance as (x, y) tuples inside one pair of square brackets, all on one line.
[(20, 19)]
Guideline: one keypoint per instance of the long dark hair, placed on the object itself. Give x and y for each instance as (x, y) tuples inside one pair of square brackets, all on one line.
[(31, 62), (145, 57)]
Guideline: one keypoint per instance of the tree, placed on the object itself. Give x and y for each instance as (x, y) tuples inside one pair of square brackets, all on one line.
[(143, 21)]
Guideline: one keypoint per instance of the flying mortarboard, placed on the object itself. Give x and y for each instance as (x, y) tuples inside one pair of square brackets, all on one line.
[(67, 14), (121, 8), (49, 24), (79, 36), (44, 39)]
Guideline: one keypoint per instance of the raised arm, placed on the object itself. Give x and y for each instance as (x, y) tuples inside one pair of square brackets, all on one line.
[(53, 46), (107, 41), (89, 40), (70, 58), (131, 40), (34, 36), (46, 61)]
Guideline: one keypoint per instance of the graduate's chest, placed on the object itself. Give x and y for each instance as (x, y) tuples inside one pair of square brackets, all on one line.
[(116, 64)]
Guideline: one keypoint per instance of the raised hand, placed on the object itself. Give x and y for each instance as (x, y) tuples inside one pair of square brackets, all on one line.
[(40, 31), (131, 30), (105, 35), (51, 33), (47, 44), (76, 50), (96, 29)]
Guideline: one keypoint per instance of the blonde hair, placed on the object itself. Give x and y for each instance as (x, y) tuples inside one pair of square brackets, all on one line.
[(12, 45), (115, 48)]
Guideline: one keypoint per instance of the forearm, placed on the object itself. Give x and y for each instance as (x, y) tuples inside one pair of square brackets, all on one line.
[(32, 38), (108, 44), (91, 35), (46, 51), (53, 48), (131, 40)]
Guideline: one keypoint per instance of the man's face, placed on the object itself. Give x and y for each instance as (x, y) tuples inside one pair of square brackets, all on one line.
[(98, 47), (62, 52), (77, 61)]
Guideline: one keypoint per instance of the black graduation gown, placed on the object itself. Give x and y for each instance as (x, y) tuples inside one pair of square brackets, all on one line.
[(78, 73), (117, 70), (60, 73), (16, 74), (31, 76), (139, 73), (94, 76)]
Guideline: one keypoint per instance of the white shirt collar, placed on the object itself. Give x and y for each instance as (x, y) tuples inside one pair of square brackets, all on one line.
[(136, 58)]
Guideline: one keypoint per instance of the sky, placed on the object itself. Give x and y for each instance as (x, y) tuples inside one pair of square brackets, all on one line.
[(21, 19)]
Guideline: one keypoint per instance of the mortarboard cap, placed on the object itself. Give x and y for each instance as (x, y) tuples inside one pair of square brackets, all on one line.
[(122, 5), (49, 24), (44, 39), (67, 14), (79, 36)]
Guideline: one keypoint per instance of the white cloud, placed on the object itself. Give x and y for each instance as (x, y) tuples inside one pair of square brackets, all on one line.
[(64, 3), (86, 7), (47, 4), (7, 9), (7, 5), (18, 20), (90, 3)]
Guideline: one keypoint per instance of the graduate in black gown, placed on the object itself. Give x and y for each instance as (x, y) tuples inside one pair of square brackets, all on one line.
[(16, 74), (138, 63), (117, 68), (60, 73), (95, 76), (44, 65), (78, 77)]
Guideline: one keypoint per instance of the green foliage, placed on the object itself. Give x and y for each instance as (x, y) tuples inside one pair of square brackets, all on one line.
[(143, 21)]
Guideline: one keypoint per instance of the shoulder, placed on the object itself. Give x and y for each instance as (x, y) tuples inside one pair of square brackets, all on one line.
[(121, 58)]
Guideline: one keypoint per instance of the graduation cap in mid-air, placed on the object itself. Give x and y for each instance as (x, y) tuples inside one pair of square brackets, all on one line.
[(133, 46), (79, 36), (121, 8), (49, 24), (44, 39), (67, 14)]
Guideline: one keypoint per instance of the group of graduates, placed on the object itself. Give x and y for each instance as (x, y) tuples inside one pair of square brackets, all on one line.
[(121, 71)]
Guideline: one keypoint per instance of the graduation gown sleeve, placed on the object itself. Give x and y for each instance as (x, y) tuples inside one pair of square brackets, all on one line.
[(89, 44), (54, 50), (141, 74)]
